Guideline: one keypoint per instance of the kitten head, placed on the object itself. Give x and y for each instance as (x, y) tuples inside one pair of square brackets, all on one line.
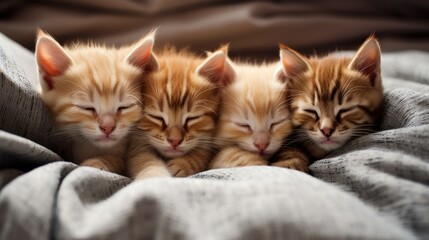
[(254, 114), (333, 99), (94, 92), (181, 102)]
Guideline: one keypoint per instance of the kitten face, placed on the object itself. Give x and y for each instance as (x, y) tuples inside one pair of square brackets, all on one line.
[(100, 111), (181, 105), (254, 114), (334, 99), (93, 92)]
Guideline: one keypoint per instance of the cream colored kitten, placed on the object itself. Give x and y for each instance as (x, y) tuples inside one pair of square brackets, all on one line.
[(254, 118), (94, 94)]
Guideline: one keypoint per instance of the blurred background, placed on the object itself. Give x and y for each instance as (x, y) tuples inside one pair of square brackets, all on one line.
[(254, 28)]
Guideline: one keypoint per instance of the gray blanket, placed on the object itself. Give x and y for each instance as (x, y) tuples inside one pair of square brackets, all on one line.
[(375, 187)]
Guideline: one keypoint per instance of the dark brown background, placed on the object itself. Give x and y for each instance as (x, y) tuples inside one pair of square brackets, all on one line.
[(254, 28)]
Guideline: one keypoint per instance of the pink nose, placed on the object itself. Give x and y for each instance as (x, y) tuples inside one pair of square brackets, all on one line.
[(174, 142), (107, 129), (261, 146), (107, 123), (327, 131)]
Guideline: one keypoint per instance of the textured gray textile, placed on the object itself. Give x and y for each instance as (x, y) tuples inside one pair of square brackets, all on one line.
[(22, 112), (376, 187), (246, 203)]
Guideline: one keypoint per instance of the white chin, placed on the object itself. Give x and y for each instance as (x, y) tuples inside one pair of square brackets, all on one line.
[(104, 143), (168, 153), (329, 146), (266, 154)]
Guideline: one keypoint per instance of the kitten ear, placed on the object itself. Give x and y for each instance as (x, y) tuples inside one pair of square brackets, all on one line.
[(50, 56), (292, 63), (367, 59), (142, 55), (218, 67)]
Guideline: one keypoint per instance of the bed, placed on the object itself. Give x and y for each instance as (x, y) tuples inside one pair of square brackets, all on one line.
[(375, 187)]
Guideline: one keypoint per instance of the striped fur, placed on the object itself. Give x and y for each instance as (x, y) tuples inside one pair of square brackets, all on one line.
[(333, 99), (175, 132), (88, 89)]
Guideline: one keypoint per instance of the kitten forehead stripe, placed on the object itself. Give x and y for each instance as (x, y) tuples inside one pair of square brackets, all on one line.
[(334, 90), (169, 87), (184, 89), (116, 82), (316, 79), (92, 80), (184, 98)]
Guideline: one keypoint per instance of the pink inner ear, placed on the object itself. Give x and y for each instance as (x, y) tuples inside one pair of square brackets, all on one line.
[(292, 64), (291, 68), (367, 60), (217, 69), (140, 57), (143, 57), (227, 76), (48, 65), (51, 58), (367, 64), (220, 71)]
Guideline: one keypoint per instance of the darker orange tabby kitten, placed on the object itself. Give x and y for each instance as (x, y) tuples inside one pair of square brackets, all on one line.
[(333, 99), (181, 104)]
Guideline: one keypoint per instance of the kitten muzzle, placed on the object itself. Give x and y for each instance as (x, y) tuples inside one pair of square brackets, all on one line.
[(107, 124), (261, 140), (175, 136)]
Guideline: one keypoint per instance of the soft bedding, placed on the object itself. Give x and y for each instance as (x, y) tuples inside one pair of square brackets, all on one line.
[(375, 187)]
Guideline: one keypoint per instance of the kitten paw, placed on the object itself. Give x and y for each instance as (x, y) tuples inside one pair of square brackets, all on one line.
[(293, 163), (176, 170), (237, 158), (95, 163), (248, 160)]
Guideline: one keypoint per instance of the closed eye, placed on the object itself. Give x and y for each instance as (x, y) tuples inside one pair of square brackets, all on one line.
[(243, 126), (156, 117), (345, 110), (277, 123), (312, 112), (189, 119), (125, 107), (86, 108)]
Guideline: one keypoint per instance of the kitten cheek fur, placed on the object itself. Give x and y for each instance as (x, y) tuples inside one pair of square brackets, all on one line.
[(173, 107), (84, 85), (341, 95), (250, 105), (181, 110)]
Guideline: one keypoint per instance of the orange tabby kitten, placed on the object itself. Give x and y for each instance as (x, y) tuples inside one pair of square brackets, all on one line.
[(254, 118), (181, 105), (94, 93), (333, 99)]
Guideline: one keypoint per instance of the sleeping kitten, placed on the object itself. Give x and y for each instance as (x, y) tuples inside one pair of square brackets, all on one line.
[(254, 118), (333, 99), (181, 105), (94, 93)]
